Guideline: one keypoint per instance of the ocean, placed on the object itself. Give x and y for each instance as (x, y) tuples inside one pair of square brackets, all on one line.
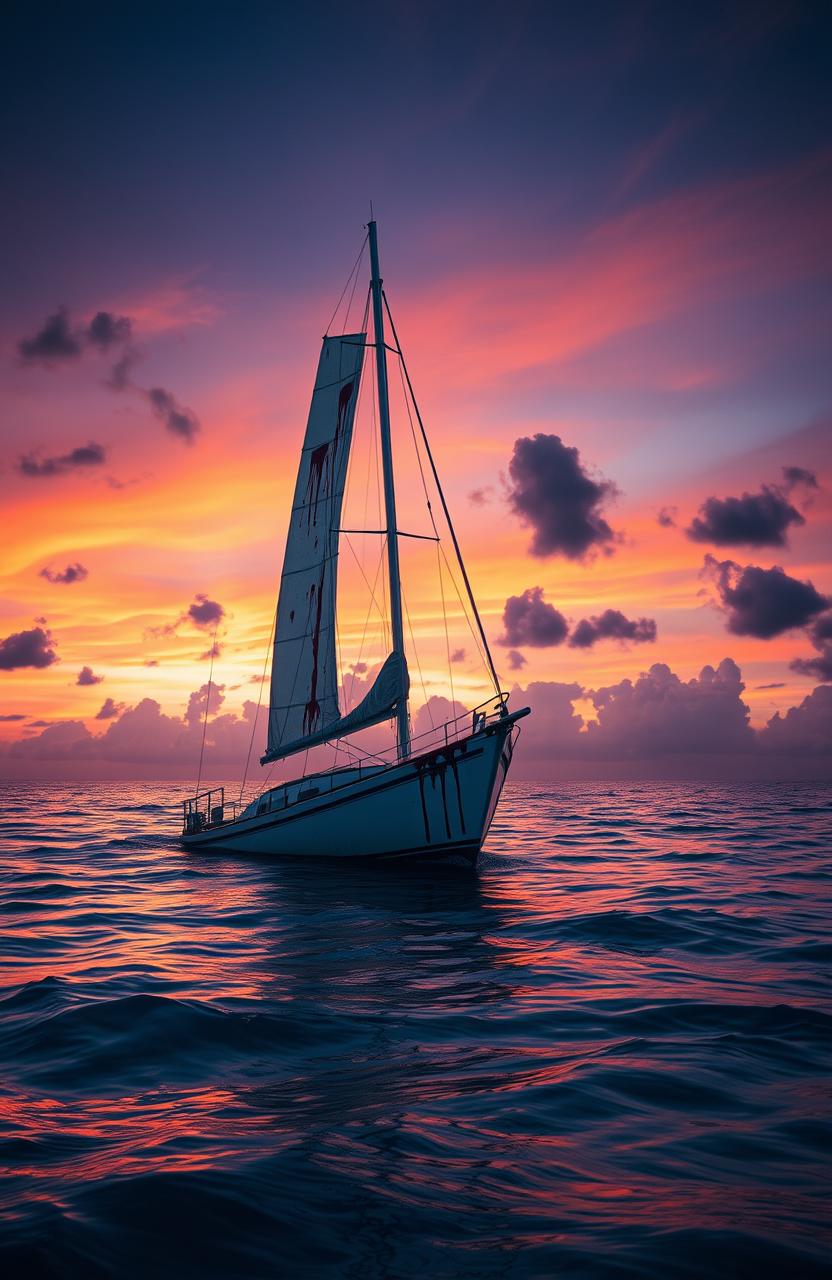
[(606, 1052)]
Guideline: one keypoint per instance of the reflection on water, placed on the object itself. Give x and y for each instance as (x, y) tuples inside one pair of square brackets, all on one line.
[(606, 1052)]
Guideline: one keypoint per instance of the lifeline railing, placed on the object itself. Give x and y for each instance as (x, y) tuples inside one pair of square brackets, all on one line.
[(206, 809)]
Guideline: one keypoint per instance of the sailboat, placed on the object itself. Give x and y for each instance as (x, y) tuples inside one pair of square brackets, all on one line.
[(432, 796)]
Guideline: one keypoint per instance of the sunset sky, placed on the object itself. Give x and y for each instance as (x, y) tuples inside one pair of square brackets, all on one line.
[(605, 238)]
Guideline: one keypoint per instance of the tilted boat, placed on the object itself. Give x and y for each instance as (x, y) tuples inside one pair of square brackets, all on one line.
[(432, 796)]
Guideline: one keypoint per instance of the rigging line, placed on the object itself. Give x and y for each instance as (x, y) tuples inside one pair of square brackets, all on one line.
[(207, 701), (373, 601), (445, 620), (259, 701), (416, 449), (347, 285), (490, 660), (433, 523), (418, 663), (465, 615), (383, 611), (352, 294)]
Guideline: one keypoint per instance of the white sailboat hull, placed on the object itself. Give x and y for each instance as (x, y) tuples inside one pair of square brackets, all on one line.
[(437, 805)]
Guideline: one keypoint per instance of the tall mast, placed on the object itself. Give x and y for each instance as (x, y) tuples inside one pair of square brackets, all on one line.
[(403, 728)]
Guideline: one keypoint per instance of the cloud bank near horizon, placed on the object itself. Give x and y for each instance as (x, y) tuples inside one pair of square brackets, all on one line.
[(656, 725)]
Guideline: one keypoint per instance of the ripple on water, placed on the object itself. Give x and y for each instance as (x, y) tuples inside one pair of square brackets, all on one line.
[(606, 1053)]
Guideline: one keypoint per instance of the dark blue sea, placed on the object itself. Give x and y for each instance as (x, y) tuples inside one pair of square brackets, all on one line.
[(604, 1053)]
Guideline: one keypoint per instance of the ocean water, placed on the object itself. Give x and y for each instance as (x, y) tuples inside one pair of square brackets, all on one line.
[(604, 1053)]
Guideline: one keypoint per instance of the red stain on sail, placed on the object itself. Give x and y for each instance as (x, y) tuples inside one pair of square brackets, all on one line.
[(322, 463), (317, 465), (312, 710), (322, 459)]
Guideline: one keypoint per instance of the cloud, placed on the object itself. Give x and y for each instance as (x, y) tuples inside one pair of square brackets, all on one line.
[(762, 602), (86, 455), (660, 713), (458, 655), (34, 648), (481, 497), (612, 625), (178, 420), (109, 710), (820, 634), (435, 712), (86, 676), (515, 660), (120, 379), (210, 696), (72, 573), (805, 730), (205, 613), (775, 684), (13, 716), (646, 723), (666, 517), (795, 476), (529, 620), (656, 725), (106, 330), (53, 342), (756, 519), (552, 492)]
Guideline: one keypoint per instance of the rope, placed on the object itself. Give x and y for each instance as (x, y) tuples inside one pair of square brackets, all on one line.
[(347, 285), (259, 701), (490, 661), (207, 701)]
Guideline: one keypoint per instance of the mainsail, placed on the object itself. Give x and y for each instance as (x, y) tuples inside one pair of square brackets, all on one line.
[(303, 707)]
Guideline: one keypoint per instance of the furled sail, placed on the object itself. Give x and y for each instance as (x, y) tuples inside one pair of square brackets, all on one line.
[(303, 707)]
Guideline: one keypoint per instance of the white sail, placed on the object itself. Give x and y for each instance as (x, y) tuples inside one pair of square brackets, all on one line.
[(303, 707)]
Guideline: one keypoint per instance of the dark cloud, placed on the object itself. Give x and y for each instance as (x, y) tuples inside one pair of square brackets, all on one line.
[(109, 710), (53, 342), (178, 420), (72, 573), (214, 652), (515, 660), (762, 602), (458, 655), (820, 634), (529, 620), (775, 684), (33, 648), (612, 625), (120, 379), (87, 676), (480, 497), (86, 455), (552, 492), (666, 517), (756, 520), (106, 330), (795, 476), (13, 716), (205, 613)]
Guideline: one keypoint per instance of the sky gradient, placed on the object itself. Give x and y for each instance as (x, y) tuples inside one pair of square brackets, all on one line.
[(608, 229)]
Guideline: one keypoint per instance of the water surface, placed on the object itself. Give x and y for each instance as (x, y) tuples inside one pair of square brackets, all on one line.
[(605, 1053)]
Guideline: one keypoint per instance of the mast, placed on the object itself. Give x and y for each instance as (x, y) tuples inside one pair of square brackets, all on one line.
[(402, 726)]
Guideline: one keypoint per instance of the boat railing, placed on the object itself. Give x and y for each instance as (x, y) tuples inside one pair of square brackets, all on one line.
[(207, 809), (438, 736)]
